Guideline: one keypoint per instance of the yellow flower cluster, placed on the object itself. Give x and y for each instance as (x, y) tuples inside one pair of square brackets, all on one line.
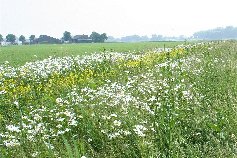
[(178, 51), (15, 87), (57, 82), (151, 57)]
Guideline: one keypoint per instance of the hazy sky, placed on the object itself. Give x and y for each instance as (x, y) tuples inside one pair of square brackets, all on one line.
[(115, 17)]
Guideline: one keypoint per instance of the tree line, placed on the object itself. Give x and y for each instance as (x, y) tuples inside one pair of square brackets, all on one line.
[(12, 38), (219, 33), (96, 37), (154, 37)]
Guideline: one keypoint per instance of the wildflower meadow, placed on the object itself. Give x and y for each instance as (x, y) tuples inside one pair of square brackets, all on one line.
[(173, 102)]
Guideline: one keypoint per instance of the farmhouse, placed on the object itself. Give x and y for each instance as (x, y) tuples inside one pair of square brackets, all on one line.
[(46, 39), (81, 39)]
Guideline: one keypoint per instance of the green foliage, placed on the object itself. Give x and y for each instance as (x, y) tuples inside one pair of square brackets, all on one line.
[(11, 38), (22, 38), (1, 38), (67, 36), (69, 150), (153, 103), (32, 37), (103, 37), (98, 38)]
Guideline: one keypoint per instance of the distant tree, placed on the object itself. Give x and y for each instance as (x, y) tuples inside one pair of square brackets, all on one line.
[(160, 37), (67, 36), (144, 38), (22, 38), (98, 38), (11, 38), (112, 39), (95, 37), (103, 37), (132, 38), (229, 32), (1, 39), (32, 38), (154, 37)]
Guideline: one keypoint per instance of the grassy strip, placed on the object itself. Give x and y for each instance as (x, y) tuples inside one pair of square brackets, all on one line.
[(176, 104)]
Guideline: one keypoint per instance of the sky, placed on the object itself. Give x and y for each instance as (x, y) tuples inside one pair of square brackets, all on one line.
[(117, 18)]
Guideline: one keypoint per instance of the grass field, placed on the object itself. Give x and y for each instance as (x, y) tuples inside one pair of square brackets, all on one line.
[(180, 103), (19, 55)]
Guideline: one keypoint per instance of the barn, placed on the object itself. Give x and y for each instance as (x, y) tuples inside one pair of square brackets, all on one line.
[(81, 39)]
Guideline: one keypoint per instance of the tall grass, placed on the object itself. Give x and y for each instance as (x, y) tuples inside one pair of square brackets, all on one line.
[(180, 103)]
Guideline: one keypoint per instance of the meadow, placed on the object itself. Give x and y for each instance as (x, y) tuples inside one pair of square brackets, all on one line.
[(19, 55), (122, 102)]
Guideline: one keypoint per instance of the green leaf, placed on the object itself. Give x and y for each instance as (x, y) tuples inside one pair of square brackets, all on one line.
[(49, 150), (213, 126), (69, 150), (76, 149)]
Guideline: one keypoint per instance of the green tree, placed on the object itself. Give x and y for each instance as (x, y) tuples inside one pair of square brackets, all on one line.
[(32, 38), (22, 38), (103, 37), (95, 36), (98, 38), (1, 39), (67, 36), (11, 38)]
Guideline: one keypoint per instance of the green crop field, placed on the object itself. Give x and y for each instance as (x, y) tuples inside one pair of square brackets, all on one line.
[(19, 55), (119, 103)]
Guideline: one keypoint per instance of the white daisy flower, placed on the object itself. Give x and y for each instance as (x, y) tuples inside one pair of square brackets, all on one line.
[(117, 123)]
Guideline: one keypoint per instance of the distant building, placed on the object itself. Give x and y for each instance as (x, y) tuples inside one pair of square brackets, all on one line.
[(81, 39), (3, 43), (44, 39), (19, 42)]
